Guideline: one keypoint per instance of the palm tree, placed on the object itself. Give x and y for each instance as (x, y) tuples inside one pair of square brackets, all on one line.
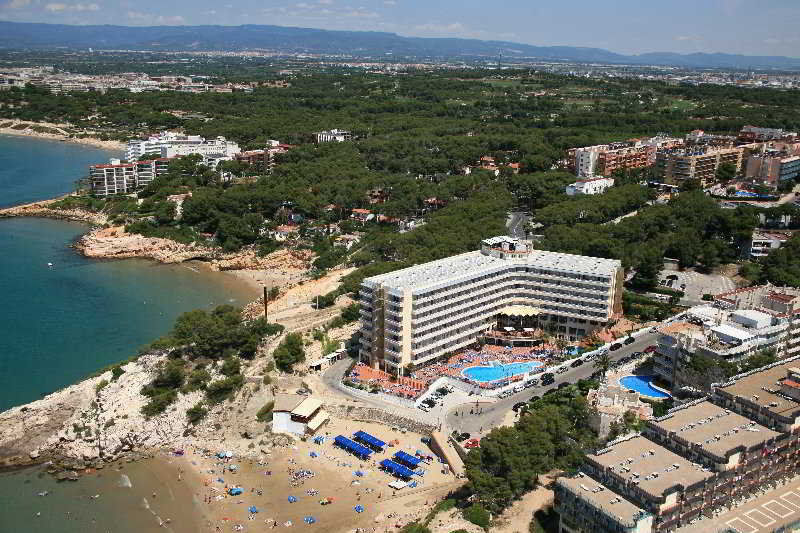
[(602, 363)]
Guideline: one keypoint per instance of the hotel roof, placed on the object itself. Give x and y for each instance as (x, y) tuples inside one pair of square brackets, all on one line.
[(653, 468), (473, 264), (763, 389), (601, 497), (716, 430)]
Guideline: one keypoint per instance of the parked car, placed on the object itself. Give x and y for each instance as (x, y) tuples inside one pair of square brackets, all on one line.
[(423, 407), (517, 406), (548, 381), (519, 388), (548, 375), (650, 349), (562, 385), (629, 340), (531, 383), (615, 346), (576, 363)]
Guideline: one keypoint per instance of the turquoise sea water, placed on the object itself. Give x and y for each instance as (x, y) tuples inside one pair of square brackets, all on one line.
[(484, 374), (61, 323), (642, 385)]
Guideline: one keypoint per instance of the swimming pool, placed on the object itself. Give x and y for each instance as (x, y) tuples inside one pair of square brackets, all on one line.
[(493, 373), (641, 384)]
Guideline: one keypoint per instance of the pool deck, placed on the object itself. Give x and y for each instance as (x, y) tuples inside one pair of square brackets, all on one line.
[(465, 376)]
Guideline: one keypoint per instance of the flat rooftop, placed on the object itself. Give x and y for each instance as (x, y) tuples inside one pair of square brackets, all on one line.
[(761, 388), (473, 264), (717, 430), (602, 497), (656, 468)]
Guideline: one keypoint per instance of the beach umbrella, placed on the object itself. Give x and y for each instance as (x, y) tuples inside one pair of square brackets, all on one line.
[(253, 509), (292, 499), (359, 508), (313, 454), (359, 473), (229, 454)]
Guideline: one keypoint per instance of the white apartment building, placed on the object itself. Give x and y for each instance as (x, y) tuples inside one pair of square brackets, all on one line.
[(417, 314), (169, 144), (123, 178), (589, 186), (740, 324), (333, 135)]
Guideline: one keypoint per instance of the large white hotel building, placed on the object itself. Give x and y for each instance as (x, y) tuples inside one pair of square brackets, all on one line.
[(417, 314)]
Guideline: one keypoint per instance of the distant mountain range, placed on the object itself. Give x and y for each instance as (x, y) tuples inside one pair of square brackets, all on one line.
[(21, 35)]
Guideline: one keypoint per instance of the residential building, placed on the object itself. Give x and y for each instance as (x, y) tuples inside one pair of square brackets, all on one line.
[(740, 324), (589, 186), (417, 314), (764, 242), (610, 403), (333, 135), (604, 159), (772, 167), (263, 159), (699, 163), (169, 144), (123, 178), (749, 134), (694, 463), (362, 215)]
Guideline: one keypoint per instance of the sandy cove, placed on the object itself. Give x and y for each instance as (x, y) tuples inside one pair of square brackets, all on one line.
[(59, 133)]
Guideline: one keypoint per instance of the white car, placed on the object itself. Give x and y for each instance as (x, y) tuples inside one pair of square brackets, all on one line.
[(519, 388)]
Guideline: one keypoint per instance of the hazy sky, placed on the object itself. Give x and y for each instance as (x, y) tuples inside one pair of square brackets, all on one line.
[(753, 27)]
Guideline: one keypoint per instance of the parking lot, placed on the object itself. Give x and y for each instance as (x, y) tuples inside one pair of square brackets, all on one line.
[(695, 285)]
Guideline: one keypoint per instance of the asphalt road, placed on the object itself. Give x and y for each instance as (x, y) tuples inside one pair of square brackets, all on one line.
[(490, 415), (517, 223)]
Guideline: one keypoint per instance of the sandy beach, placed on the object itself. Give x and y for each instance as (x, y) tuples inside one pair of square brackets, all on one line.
[(59, 133), (269, 479)]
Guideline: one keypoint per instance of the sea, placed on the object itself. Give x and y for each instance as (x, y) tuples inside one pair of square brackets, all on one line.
[(64, 317)]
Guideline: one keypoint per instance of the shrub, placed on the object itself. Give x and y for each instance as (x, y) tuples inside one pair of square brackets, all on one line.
[(116, 372), (265, 413), (478, 515), (220, 390), (159, 403), (289, 352), (102, 384), (197, 380), (231, 366), (707, 297), (267, 379), (196, 413)]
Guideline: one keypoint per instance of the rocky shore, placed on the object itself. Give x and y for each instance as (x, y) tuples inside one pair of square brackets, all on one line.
[(44, 209)]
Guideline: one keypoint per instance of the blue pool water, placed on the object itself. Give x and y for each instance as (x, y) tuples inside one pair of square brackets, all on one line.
[(492, 373), (641, 384)]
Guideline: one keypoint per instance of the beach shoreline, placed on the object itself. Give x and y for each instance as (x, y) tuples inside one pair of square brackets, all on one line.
[(58, 133)]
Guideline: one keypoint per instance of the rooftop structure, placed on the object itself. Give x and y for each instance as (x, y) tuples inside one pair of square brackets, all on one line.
[(610, 403), (419, 313), (697, 163), (766, 395), (655, 471), (715, 435), (613, 508)]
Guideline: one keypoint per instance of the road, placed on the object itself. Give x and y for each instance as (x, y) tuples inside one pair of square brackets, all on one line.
[(517, 224), (492, 414)]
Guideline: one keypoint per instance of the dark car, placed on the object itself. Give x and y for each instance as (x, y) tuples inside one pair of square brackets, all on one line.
[(576, 363), (650, 349), (548, 376), (519, 405), (630, 340), (615, 346), (548, 381), (562, 385)]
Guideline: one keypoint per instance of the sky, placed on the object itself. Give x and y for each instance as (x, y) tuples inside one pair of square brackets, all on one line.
[(751, 27)]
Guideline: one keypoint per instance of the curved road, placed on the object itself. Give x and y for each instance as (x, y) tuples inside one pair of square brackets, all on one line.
[(491, 415)]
